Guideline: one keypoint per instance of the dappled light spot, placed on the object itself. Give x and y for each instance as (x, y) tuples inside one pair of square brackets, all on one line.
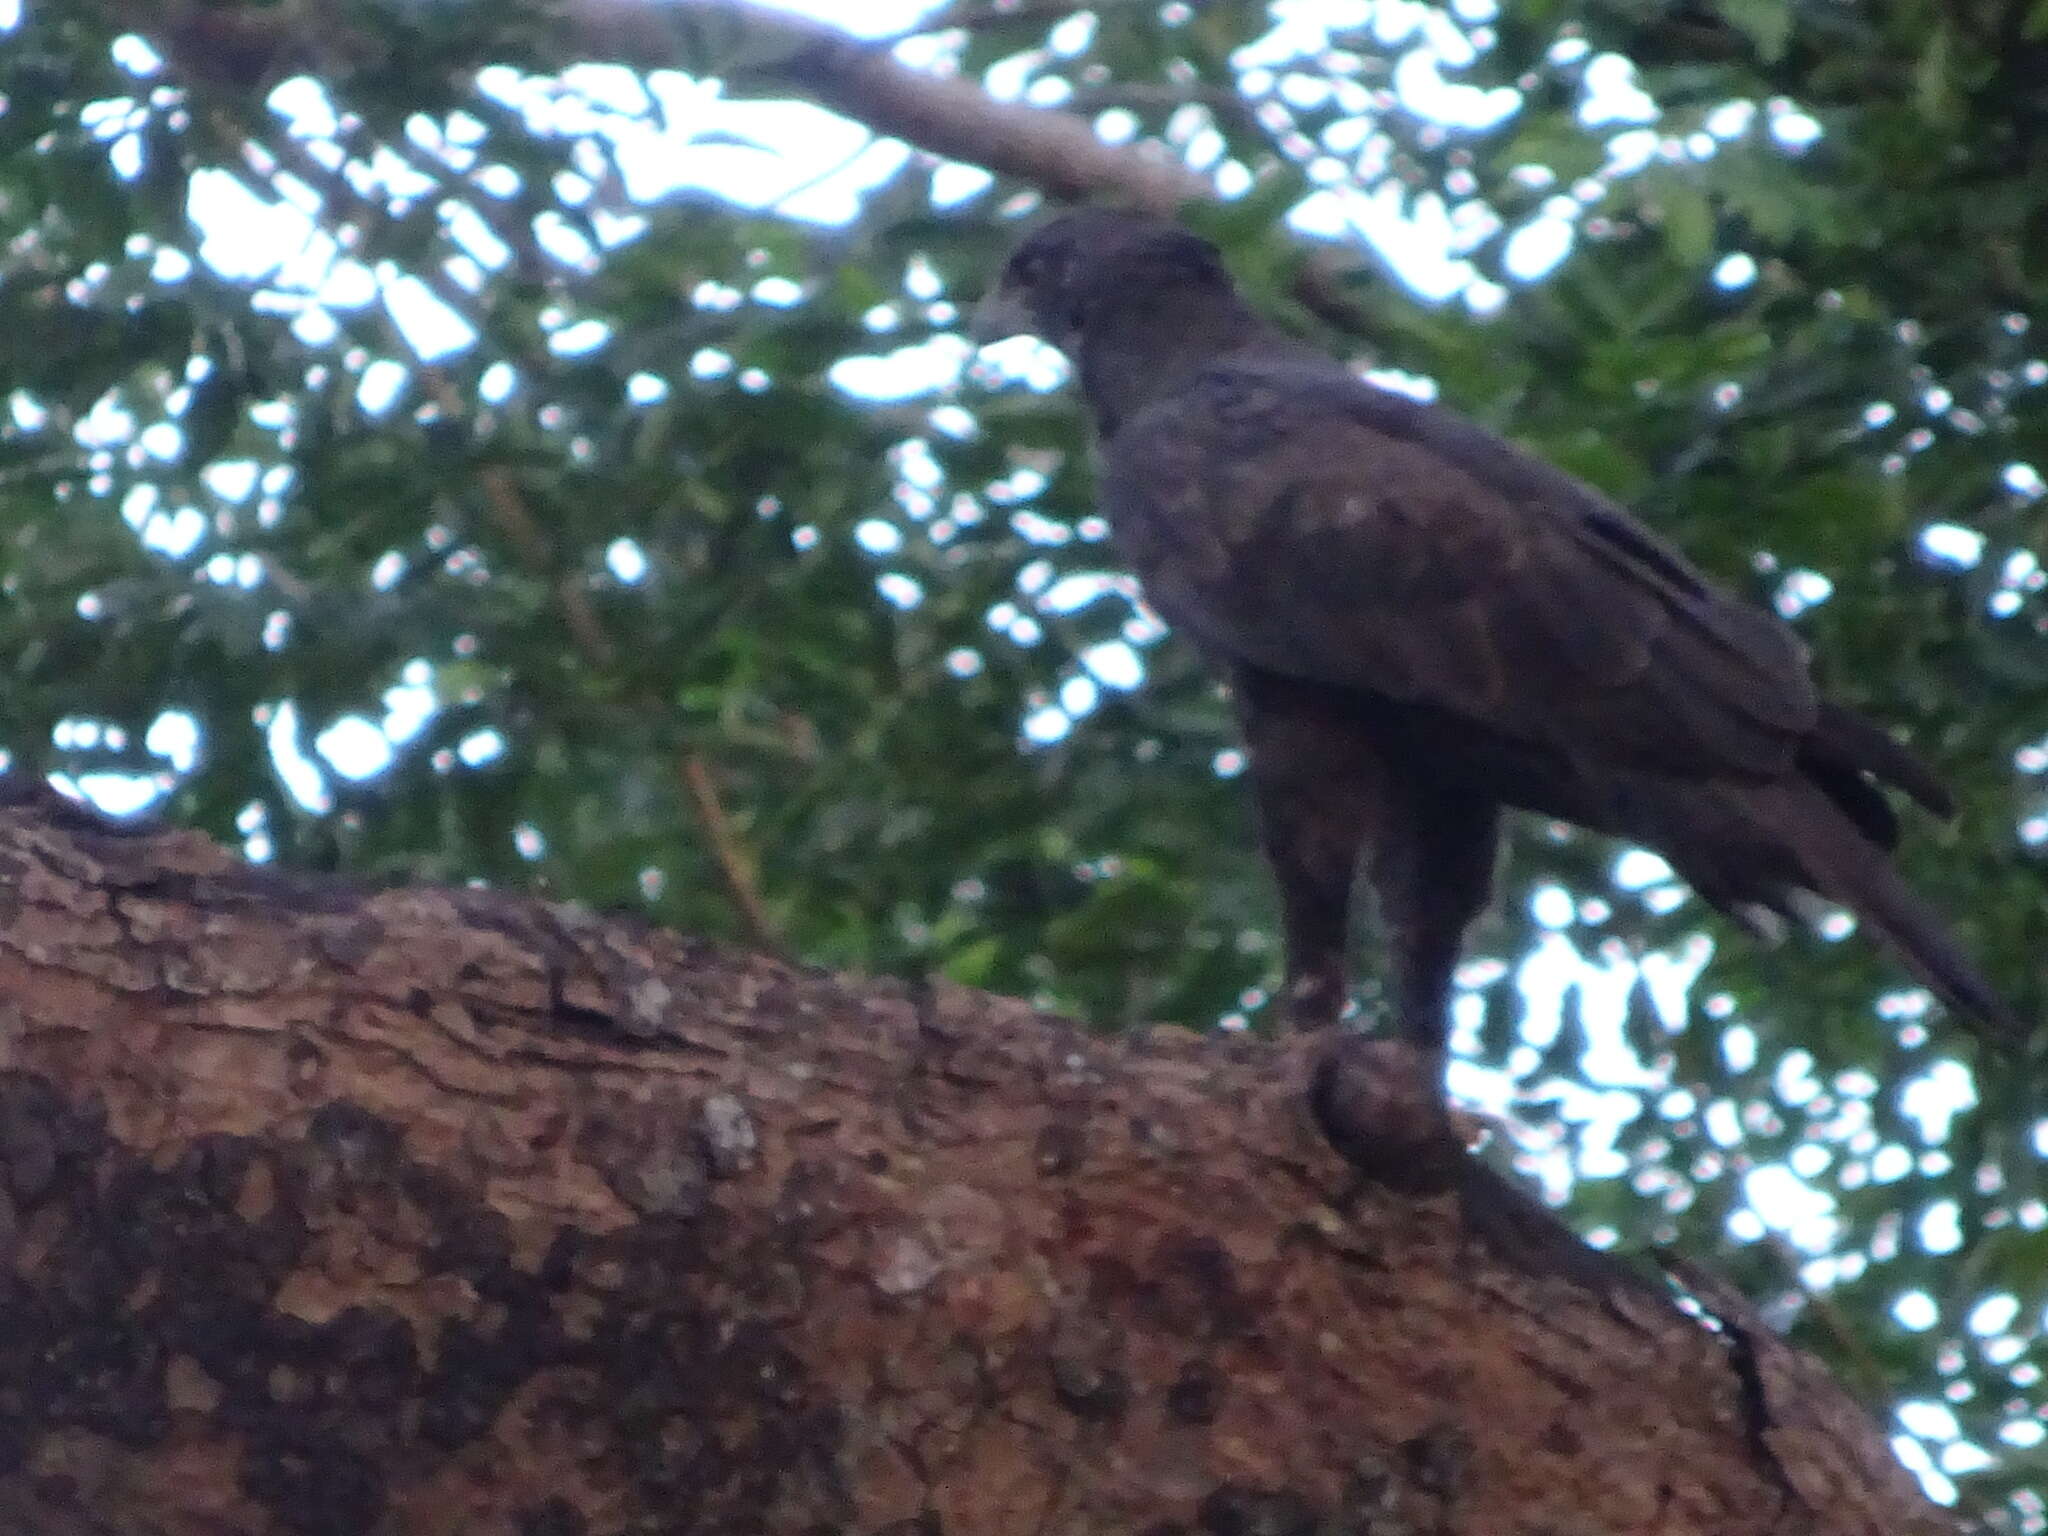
[(1792, 128), (1993, 1314), (1612, 91), (1416, 386), (1928, 1420), (25, 411), (175, 534), (229, 479), (1072, 593), (1786, 1204), (1638, 868), (1036, 528), (899, 590), (1020, 484), (1890, 1164), (1413, 234), (953, 183), (1793, 1080), (1731, 120), (354, 748), (1940, 1227), (1933, 1099), (564, 241), (411, 703), (1801, 590), (1024, 360), (162, 440), (377, 391), (1552, 907), (434, 330), (626, 560), (301, 776), (226, 570), (1952, 545), (497, 383), (1722, 1124), (480, 747), (1630, 151), (579, 338), (107, 424), (904, 374), (174, 735), (1046, 725), (878, 536), (114, 794), (1914, 1458), (77, 734), (1114, 664)]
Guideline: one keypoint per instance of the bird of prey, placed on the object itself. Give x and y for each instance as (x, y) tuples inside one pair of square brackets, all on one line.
[(1421, 623)]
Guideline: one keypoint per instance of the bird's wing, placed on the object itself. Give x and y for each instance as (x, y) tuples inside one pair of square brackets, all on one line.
[(1293, 517)]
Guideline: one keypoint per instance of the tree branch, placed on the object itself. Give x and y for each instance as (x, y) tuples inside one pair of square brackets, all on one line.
[(429, 1210), (1052, 150)]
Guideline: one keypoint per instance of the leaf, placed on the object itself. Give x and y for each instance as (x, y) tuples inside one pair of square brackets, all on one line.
[(1933, 87), (1766, 23)]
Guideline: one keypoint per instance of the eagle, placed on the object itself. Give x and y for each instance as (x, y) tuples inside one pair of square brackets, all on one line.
[(1422, 624)]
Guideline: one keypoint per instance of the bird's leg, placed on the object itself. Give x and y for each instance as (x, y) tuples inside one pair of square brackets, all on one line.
[(1432, 869), (1381, 1102), (1315, 898), (1317, 783)]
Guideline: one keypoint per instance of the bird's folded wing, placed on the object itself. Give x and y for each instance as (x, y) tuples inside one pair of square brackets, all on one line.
[(1300, 520)]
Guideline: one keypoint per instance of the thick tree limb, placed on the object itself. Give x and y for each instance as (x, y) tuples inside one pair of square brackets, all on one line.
[(770, 51), (427, 1211)]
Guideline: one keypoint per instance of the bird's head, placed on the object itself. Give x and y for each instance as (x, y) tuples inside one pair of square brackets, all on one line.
[(1068, 268)]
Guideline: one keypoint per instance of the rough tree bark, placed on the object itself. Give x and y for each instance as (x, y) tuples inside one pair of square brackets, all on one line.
[(428, 1211)]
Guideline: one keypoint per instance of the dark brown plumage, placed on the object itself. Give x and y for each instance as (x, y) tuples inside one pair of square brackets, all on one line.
[(1423, 623)]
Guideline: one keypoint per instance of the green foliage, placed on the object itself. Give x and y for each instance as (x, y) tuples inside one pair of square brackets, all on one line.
[(637, 542)]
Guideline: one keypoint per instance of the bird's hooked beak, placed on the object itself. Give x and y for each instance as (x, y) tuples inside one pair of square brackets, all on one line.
[(1001, 314)]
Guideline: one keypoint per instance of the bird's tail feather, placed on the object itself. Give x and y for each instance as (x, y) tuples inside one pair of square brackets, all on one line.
[(1846, 867)]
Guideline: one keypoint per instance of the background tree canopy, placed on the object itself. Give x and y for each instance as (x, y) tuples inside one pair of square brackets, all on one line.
[(431, 456)]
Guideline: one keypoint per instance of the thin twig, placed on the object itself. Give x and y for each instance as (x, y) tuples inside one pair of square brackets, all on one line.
[(742, 881)]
